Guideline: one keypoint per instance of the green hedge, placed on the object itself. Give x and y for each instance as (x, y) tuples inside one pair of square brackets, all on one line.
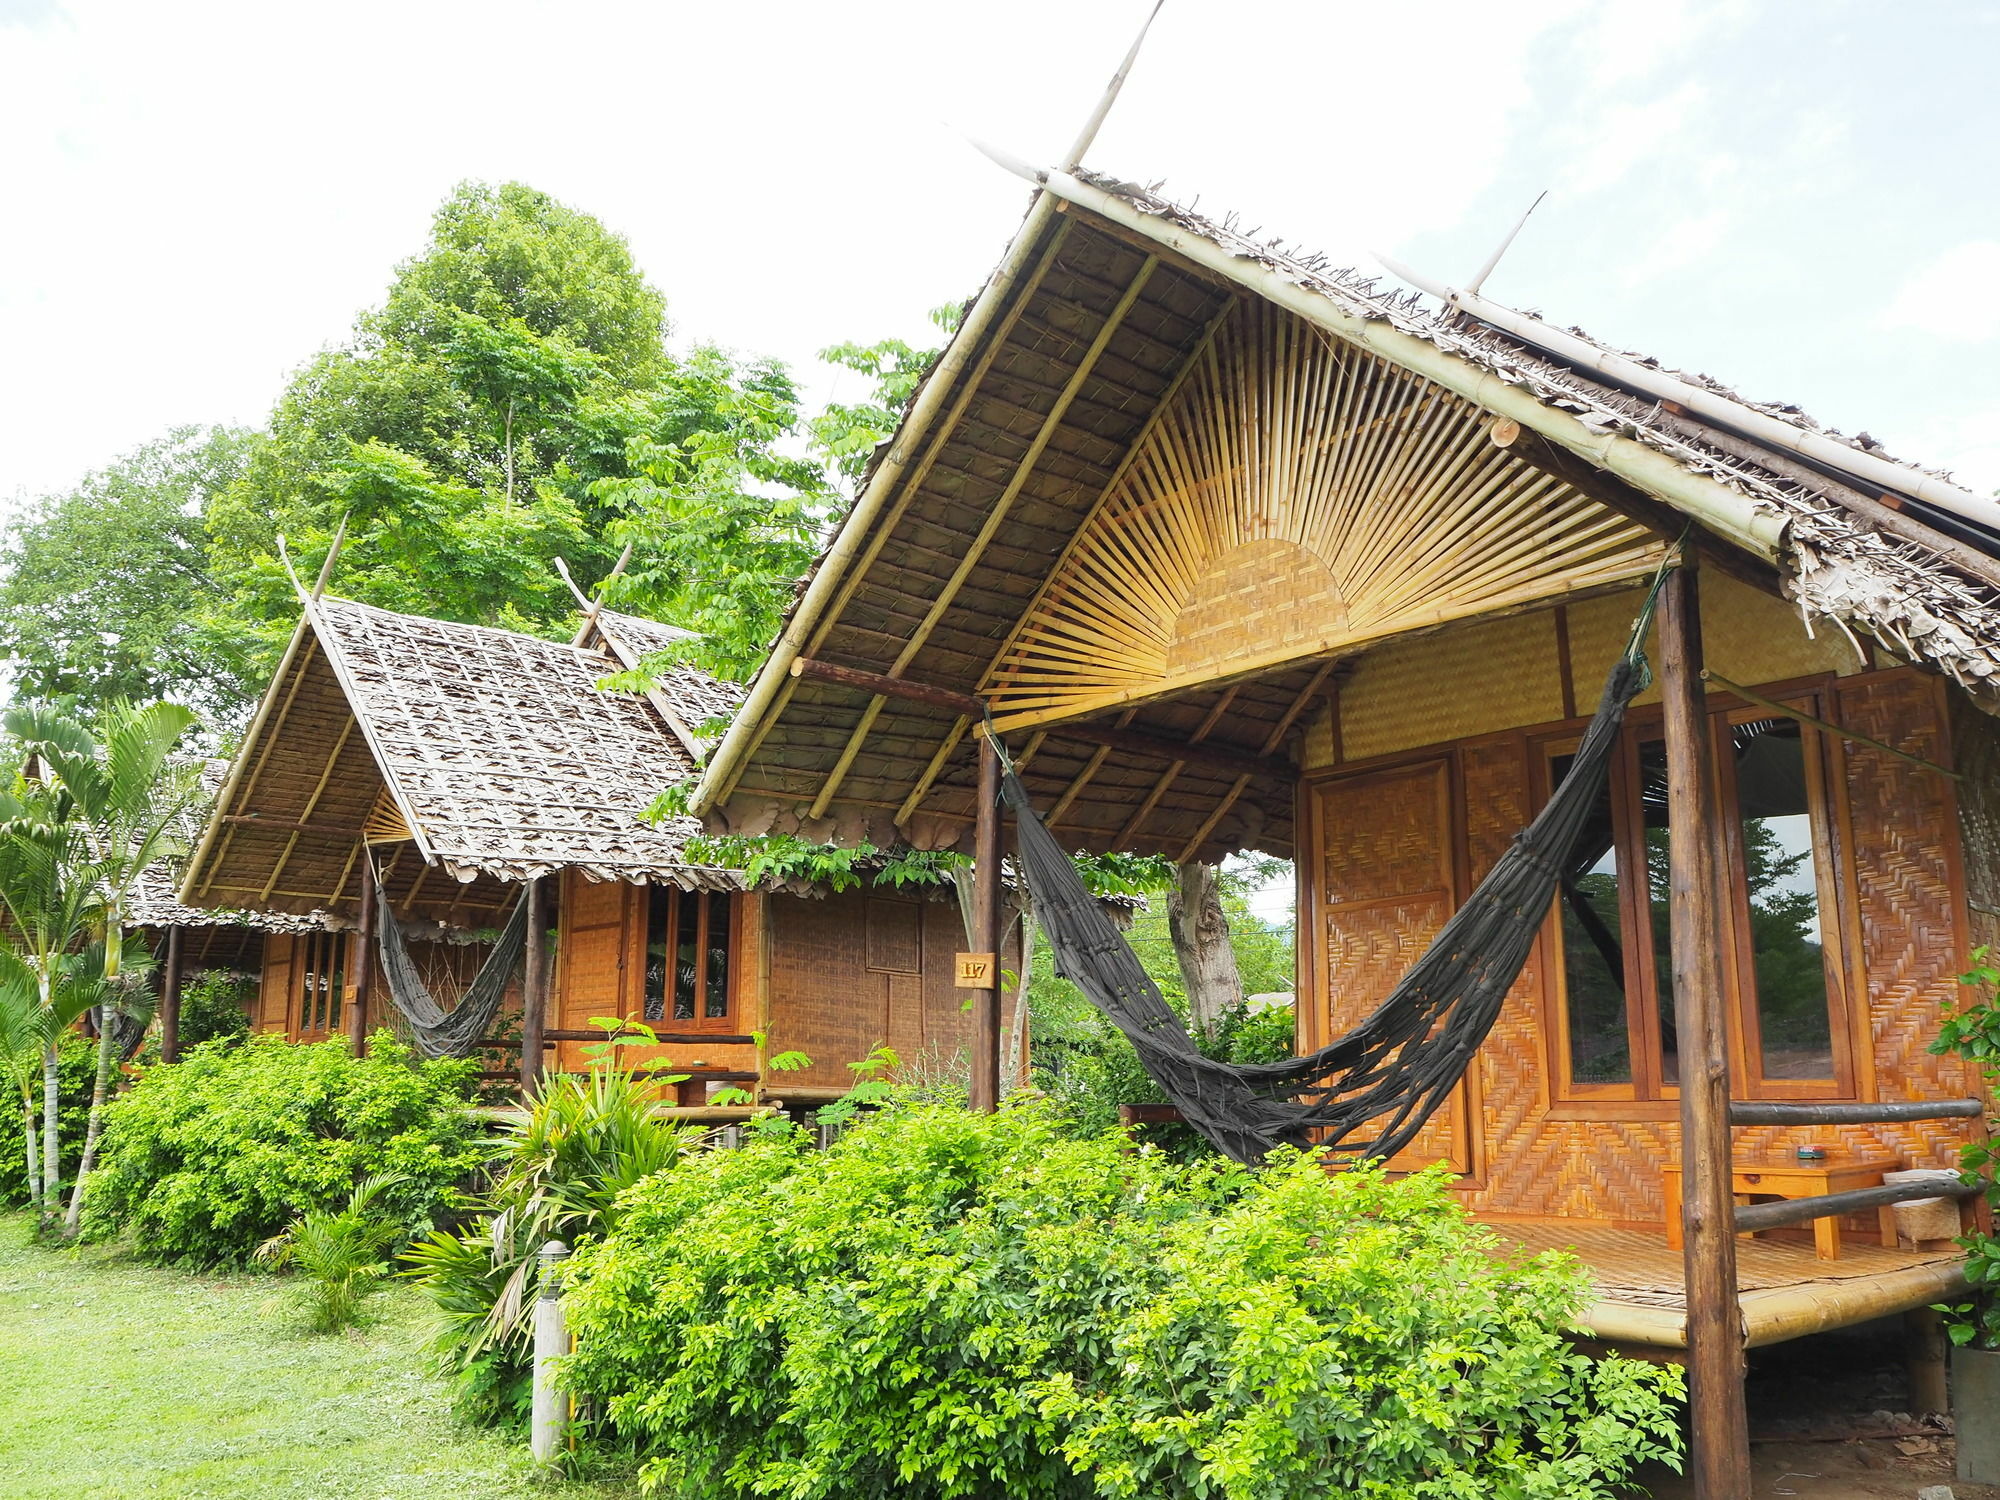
[(205, 1160), (947, 1305)]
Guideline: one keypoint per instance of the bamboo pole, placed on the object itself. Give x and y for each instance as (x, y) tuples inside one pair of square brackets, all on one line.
[(828, 579), (1720, 1462), (534, 986), (364, 963), (984, 1096)]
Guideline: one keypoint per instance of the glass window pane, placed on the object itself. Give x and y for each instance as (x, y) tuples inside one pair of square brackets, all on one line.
[(1600, 1044), (1659, 897), (715, 1004), (337, 992), (687, 956), (1785, 941), (659, 911)]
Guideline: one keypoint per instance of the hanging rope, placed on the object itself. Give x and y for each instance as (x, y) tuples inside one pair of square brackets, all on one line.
[(1391, 1072), (436, 1031)]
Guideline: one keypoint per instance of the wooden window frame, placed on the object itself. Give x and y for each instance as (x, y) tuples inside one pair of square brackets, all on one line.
[(1648, 1096), (701, 1023), (316, 1013)]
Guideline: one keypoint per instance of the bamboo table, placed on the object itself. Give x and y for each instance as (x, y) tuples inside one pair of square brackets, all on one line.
[(1782, 1175)]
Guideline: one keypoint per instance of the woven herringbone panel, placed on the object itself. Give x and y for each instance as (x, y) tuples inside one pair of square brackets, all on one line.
[(1295, 497), (1385, 889)]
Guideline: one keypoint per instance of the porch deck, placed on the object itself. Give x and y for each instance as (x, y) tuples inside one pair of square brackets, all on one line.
[(1785, 1290)]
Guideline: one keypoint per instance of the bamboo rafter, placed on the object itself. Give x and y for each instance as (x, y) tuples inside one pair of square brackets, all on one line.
[(911, 485), (994, 517), (1242, 783), (1293, 497)]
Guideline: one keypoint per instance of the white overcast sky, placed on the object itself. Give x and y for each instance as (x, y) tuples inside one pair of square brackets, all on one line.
[(1799, 199)]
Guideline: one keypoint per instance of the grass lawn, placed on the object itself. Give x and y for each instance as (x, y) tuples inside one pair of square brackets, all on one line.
[(120, 1381)]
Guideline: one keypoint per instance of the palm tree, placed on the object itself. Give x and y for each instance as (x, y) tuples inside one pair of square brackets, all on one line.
[(48, 901), (74, 837)]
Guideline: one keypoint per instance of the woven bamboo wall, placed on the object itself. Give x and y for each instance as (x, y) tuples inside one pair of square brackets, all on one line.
[(859, 968), (1527, 1159), (1545, 665), (1389, 883), (592, 961)]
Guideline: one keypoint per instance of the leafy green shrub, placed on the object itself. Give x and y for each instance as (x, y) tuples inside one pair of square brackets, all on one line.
[(586, 1139), (339, 1253), (214, 1009), (1972, 1031), (76, 1070), (952, 1305), (205, 1160)]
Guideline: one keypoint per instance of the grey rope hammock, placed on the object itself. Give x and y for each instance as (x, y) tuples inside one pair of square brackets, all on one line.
[(438, 1032), (1393, 1070)]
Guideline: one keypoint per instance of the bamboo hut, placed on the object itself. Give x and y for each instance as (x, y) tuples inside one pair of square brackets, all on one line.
[(475, 768), (1239, 551)]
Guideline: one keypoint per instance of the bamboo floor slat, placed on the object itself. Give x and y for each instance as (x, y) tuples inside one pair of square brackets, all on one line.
[(1785, 1290), (1633, 1266)]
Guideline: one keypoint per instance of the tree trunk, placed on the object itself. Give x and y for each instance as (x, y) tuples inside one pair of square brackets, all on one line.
[(1200, 932), (106, 1055), (51, 1144), (1014, 1065), (31, 1153), (510, 450)]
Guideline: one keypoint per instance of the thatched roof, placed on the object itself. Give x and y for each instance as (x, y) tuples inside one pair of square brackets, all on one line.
[(686, 697), (1012, 540), (471, 757)]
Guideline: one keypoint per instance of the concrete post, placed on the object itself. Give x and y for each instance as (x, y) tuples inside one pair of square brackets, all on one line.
[(551, 1406)]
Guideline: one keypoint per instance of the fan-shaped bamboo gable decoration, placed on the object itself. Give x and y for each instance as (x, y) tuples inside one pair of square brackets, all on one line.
[(1295, 497)]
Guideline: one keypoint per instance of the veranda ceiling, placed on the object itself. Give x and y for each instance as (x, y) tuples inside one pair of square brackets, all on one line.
[(1166, 477)]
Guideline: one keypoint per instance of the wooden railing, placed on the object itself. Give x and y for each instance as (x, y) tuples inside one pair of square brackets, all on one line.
[(1760, 1112), (1833, 1205), (1756, 1216)]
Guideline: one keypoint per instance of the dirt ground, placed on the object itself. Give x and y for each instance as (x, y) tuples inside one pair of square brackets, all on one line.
[(1830, 1420)]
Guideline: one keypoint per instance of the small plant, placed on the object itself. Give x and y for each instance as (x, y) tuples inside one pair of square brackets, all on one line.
[(586, 1138), (1971, 1030), (342, 1255), (213, 1009)]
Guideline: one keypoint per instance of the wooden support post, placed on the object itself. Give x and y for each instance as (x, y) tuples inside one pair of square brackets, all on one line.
[(986, 909), (1924, 1351), (534, 986), (170, 999), (1720, 1462), (364, 962)]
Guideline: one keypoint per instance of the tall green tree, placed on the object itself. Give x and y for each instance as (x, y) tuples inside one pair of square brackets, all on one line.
[(512, 401), (106, 589), (722, 519)]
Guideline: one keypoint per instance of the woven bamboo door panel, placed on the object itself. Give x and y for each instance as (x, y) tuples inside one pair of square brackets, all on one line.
[(1385, 887), (274, 991), (1296, 497)]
